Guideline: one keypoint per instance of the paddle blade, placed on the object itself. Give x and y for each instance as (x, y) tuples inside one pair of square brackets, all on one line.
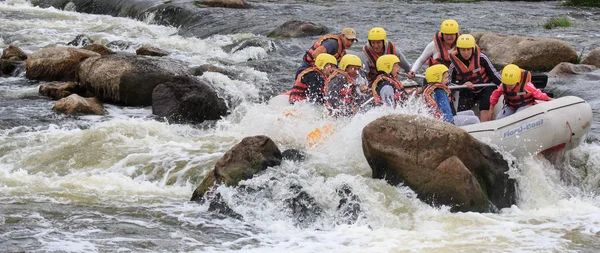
[(539, 80), (319, 135)]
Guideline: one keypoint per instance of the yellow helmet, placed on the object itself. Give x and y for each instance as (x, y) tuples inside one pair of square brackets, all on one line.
[(386, 63), (350, 60), (465, 41), (449, 26), (435, 73), (377, 33), (511, 74), (323, 59)]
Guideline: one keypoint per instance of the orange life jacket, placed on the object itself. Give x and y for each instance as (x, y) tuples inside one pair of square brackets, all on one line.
[(518, 96), (398, 87), (346, 94), (299, 91), (372, 57), (308, 57), (442, 51), (430, 99), (474, 72)]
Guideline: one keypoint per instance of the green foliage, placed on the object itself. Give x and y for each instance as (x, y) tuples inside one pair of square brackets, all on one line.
[(588, 3), (198, 4), (561, 21), (457, 1)]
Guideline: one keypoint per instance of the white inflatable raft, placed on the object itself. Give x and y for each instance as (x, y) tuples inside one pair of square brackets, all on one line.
[(562, 123)]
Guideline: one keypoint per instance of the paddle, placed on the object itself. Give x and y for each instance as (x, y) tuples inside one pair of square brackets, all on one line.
[(317, 136), (538, 80)]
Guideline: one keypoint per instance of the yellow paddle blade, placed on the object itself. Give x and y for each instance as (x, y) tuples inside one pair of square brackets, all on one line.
[(319, 135)]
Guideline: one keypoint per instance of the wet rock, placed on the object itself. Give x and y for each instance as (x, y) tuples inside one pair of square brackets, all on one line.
[(565, 69), (304, 208), (442, 163), (186, 99), (593, 58), (80, 41), (120, 45), (56, 64), (100, 49), (261, 42), (536, 54), (239, 4), (13, 53), (151, 51), (218, 205), (293, 155), (58, 90), (349, 210), (297, 28), (75, 104), (200, 70), (127, 79), (6, 67), (247, 158)]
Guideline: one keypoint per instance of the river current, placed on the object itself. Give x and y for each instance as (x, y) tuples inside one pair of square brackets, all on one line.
[(122, 182)]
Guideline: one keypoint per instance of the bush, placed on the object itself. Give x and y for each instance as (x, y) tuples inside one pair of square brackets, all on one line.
[(562, 21), (588, 3)]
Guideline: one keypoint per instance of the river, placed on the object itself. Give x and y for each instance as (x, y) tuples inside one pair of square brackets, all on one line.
[(122, 182)]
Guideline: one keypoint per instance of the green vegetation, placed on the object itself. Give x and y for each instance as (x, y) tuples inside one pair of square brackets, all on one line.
[(199, 4), (562, 21), (588, 3)]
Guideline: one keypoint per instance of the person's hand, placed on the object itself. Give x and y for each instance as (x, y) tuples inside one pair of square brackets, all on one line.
[(387, 95), (411, 75), (470, 85), (364, 89)]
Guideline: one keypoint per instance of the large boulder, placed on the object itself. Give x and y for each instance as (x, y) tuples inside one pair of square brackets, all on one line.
[(252, 155), (13, 53), (296, 28), (75, 104), (151, 51), (565, 69), (240, 4), (443, 164), (593, 58), (56, 64), (187, 99), (537, 54), (98, 48), (58, 90), (127, 79)]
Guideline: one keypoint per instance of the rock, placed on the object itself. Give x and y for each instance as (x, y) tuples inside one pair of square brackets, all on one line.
[(296, 29), (304, 208), (56, 64), (239, 4), (536, 54), (120, 45), (566, 69), (593, 58), (151, 51), (100, 49), (349, 210), (80, 41), (58, 90), (252, 155), (442, 163), (187, 99), (75, 104), (200, 70), (261, 42), (218, 205), (13, 53), (293, 155), (6, 67), (127, 79)]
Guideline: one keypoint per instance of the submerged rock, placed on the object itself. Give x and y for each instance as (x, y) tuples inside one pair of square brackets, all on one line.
[(566, 69), (240, 4), (100, 49), (297, 28), (80, 41), (151, 51), (293, 155), (304, 208), (593, 58), (536, 54), (442, 163)]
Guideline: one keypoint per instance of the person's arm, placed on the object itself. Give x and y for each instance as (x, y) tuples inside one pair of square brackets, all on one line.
[(427, 52), (536, 93), (404, 64), (443, 103), (495, 97), (490, 69)]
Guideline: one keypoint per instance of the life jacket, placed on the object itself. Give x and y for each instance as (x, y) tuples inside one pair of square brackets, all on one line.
[(442, 51), (518, 96), (474, 72), (338, 55), (430, 99), (398, 87), (372, 57), (299, 91), (346, 94)]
